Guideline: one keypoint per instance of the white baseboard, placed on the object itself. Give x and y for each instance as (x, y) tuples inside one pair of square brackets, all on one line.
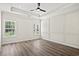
[(74, 46), (15, 41), (71, 45)]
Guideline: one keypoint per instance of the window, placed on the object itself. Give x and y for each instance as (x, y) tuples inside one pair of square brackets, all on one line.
[(9, 28)]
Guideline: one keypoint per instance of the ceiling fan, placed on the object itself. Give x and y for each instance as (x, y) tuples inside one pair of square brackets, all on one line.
[(38, 8)]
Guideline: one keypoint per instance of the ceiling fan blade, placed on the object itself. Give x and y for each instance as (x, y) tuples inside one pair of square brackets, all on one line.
[(38, 8), (31, 10), (42, 10)]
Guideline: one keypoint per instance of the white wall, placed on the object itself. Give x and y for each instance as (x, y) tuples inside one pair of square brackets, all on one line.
[(72, 28), (24, 30), (45, 28), (0, 28), (24, 27), (63, 28), (57, 28)]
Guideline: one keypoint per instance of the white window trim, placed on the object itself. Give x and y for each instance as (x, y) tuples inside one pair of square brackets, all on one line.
[(9, 28)]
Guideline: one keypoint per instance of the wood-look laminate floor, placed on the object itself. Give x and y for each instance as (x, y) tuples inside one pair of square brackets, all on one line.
[(38, 47)]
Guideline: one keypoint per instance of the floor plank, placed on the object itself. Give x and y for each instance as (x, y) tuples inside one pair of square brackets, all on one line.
[(38, 47)]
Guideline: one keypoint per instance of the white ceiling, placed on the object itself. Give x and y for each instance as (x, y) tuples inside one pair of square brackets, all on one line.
[(49, 7), (46, 6)]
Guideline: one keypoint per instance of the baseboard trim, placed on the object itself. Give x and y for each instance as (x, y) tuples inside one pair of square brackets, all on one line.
[(74, 46), (16, 41)]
